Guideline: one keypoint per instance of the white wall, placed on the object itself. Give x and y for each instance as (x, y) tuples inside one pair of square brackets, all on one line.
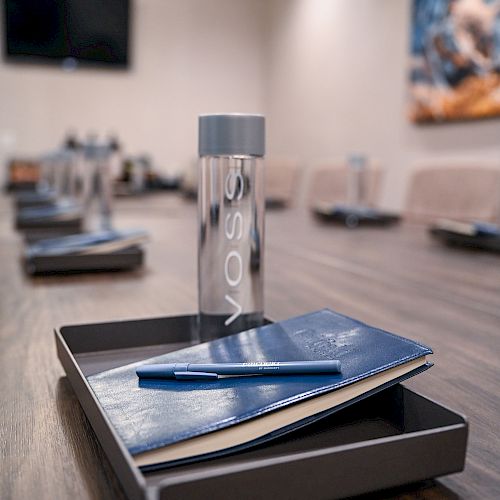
[(329, 74), (190, 57), (337, 83)]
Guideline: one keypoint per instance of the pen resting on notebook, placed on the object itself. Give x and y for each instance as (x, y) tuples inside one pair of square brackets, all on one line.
[(192, 371)]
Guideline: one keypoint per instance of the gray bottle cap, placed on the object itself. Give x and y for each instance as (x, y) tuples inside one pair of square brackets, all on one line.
[(231, 134)]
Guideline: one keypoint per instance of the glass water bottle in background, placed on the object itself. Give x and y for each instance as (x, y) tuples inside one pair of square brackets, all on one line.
[(97, 180), (104, 175), (71, 152), (103, 160), (356, 184), (231, 224)]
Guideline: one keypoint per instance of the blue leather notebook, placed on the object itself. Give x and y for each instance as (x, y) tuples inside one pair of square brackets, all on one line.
[(170, 422)]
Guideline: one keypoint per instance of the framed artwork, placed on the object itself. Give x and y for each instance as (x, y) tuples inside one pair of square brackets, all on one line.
[(455, 60)]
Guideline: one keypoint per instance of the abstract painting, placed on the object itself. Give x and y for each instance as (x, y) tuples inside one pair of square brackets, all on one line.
[(455, 60)]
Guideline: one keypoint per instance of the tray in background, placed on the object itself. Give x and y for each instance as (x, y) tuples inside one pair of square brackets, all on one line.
[(478, 242), (69, 226), (353, 217), (33, 235), (390, 439), (126, 259)]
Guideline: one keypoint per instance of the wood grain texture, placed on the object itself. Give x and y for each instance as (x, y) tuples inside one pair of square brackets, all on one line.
[(396, 278)]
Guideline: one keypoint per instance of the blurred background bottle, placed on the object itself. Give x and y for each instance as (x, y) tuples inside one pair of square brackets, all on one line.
[(356, 184), (231, 224)]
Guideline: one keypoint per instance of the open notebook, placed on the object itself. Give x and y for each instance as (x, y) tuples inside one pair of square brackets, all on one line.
[(170, 422)]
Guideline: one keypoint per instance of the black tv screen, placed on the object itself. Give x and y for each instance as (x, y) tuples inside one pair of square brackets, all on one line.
[(68, 31)]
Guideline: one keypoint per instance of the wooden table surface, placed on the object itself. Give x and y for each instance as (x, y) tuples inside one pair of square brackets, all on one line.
[(397, 279)]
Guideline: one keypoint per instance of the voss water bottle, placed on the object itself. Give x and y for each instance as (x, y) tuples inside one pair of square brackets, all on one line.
[(231, 223)]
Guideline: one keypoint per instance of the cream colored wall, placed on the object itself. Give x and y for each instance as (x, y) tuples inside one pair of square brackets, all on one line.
[(330, 76), (337, 83), (190, 57)]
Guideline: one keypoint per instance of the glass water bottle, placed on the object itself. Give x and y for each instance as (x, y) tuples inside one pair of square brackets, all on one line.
[(356, 188), (231, 224), (104, 174)]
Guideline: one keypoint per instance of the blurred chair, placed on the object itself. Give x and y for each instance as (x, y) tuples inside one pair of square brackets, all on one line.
[(329, 184), (281, 182), (463, 193)]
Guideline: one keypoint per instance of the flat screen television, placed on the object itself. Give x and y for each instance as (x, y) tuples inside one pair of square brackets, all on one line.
[(68, 32)]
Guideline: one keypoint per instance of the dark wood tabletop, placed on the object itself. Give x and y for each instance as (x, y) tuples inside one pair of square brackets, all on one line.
[(395, 278)]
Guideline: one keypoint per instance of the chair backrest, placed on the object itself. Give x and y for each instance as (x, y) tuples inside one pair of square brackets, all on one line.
[(454, 192), (329, 184), (281, 180)]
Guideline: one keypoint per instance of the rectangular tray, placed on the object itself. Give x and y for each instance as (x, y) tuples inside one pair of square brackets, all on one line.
[(24, 224), (451, 238), (128, 258), (33, 235), (353, 218), (390, 439)]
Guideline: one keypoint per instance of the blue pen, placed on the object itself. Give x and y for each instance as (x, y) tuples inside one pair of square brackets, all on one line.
[(211, 371)]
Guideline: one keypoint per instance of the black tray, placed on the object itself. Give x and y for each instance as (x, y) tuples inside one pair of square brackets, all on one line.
[(128, 258), (392, 438), (21, 186), (33, 235), (352, 217), (48, 225), (479, 242)]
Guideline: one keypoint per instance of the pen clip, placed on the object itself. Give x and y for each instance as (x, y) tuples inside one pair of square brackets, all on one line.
[(195, 376)]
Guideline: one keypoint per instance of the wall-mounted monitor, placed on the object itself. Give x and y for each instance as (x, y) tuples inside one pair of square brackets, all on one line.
[(68, 32)]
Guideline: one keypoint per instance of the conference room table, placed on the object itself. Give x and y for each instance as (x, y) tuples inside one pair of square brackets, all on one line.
[(396, 278)]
